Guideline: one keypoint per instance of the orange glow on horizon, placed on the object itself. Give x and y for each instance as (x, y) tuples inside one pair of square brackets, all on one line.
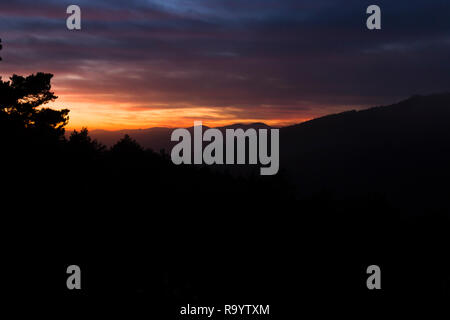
[(113, 110), (109, 115)]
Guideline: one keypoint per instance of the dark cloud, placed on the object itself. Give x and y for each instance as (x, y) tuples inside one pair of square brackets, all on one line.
[(258, 58)]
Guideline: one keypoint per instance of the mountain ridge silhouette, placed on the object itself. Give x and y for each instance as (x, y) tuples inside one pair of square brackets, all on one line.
[(157, 138), (394, 150)]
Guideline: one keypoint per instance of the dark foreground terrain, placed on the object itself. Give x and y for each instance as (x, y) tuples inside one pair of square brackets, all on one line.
[(355, 189)]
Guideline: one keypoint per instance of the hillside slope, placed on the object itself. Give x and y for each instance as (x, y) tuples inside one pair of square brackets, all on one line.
[(401, 151)]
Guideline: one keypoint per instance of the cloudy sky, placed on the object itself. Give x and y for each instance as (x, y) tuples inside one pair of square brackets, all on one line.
[(145, 63)]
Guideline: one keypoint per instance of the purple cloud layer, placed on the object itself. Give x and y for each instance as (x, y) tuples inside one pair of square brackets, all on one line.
[(256, 58)]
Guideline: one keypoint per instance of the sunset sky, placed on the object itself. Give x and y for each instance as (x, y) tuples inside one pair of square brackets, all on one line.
[(146, 63)]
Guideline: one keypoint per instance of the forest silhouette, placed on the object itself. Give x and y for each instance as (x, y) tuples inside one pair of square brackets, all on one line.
[(193, 234), (162, 228)]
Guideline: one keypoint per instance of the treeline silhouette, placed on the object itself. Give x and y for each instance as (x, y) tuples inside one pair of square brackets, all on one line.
[(140, 226)]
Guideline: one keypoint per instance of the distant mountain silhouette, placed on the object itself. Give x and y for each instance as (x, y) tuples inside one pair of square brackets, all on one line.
[(156, 138), (394, 150)]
